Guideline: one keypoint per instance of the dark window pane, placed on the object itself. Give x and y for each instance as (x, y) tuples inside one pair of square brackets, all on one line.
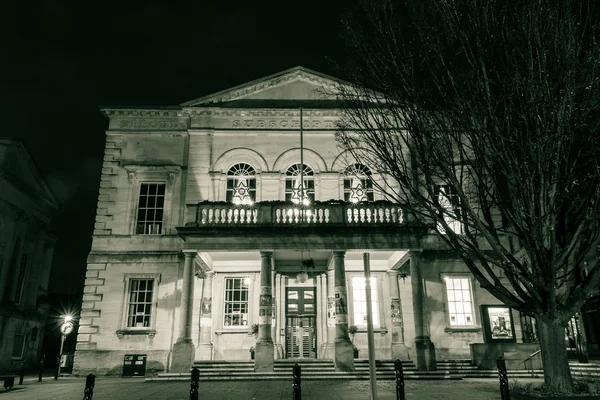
[(161, 189)]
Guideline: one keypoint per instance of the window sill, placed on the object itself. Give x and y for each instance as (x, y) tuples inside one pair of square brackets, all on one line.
[(234, 331), (465, 329), (149, 332), (382, 330)]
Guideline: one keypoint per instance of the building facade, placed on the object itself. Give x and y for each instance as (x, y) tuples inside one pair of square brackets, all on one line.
[(220, 236), (26, 248)]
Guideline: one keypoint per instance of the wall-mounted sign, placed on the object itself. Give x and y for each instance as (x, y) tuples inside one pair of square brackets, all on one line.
[(498, 324)]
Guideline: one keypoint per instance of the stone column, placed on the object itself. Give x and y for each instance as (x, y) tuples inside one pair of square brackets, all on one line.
[(278, 322), (205, 346), (264, 355), (318, 317), (329, 308), (343, 352), (399, 350), (183, 350), (425, 350)]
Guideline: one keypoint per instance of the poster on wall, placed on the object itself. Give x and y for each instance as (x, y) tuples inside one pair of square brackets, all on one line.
[(498, 324)]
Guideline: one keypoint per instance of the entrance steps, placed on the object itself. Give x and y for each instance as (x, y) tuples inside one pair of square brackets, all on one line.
[(311, 370), (325, 370)]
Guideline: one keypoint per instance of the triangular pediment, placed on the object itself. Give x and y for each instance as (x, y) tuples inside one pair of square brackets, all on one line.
[(17, 165), (295, 84)]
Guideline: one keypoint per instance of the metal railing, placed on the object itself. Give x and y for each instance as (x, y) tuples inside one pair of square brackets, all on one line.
[(530, 359)]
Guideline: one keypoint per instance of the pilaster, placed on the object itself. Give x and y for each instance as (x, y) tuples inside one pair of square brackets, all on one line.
[(343, 350)]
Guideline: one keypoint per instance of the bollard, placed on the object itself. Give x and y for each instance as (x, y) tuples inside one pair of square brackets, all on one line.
[(504, 393), (22, 374), (400, 395), (41, 368), (57, 367), (296, 383), (88, 392), (194, 384)]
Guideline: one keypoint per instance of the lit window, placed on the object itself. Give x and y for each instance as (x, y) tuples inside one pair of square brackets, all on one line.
[(460, 304), (139, 310), (236, 302), (357, 184), (241, 184), (21, 278), (300, 184), (18, 346), (359, 295), (450, 202), (151, 206)]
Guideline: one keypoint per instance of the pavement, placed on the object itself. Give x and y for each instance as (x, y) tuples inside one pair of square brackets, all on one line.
[(114, 388)]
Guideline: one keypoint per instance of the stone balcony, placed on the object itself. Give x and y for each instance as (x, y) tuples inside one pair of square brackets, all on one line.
[(220, 214), (224, 226)]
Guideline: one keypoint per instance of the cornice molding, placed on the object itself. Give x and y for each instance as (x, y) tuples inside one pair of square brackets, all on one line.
[(261, 112)]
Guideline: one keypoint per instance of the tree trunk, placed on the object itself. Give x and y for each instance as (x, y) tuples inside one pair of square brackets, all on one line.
[(554, 354)]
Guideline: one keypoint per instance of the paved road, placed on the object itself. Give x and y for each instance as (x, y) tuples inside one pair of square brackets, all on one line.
[(109, 388)]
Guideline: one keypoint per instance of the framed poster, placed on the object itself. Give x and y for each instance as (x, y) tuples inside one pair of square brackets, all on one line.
[(498, 324)]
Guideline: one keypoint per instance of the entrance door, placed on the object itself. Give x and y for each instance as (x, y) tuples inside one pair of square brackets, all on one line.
[(301, 333)]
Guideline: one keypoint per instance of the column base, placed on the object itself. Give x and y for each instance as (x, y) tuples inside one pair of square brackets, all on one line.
[(425, 354), (182, 356), (400, 352), (264, 357), (326, 351), (279, 354), (204, 351), (343, 355)]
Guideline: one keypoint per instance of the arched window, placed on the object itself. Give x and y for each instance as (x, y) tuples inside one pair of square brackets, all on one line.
[(297, 177), (241, 184), (357, 184)]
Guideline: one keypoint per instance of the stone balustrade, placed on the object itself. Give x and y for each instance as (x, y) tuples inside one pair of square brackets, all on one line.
[(283, 213)]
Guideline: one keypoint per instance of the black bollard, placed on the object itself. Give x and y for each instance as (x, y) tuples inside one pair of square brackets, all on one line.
[(90, 382), (22, 374), (194, 384), (41, 368), (296, 383), (504, 393), (57, 367), (400, 394)]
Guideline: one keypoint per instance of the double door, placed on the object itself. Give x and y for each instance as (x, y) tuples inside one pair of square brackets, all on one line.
[(301, 332)]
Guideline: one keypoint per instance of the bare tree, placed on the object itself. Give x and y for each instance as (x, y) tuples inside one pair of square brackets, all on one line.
[(483, 116)]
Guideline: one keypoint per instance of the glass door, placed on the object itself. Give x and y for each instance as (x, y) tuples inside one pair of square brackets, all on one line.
[(301, 333)]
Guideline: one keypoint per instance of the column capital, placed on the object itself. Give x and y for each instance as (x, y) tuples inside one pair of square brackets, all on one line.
[(339, 253), (392, 272), (209, 274), (189, 253), (266, 253)]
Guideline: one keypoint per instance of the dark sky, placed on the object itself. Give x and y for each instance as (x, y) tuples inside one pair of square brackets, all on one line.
[(66, 58)]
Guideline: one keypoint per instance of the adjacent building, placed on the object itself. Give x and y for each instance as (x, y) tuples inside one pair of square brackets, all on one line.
[(27, 206), (232, 226)]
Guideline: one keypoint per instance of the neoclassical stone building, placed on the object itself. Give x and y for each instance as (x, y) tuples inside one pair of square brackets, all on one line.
[(27, 206), (200, 236)]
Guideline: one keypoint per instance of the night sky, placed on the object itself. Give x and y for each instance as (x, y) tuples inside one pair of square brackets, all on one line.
[(67, 58)]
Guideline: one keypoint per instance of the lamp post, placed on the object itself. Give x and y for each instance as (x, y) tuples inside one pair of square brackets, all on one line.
[(65, 328)]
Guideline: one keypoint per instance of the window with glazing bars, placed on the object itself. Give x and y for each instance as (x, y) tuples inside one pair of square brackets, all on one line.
[(21, 278), (450, 202), (236, 302), (300, 184), (139, 311), (460, 305), (359, 294), (357, 184), (150, 209), (241, 184)]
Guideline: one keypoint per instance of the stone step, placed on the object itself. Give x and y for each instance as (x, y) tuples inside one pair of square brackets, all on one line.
[(234, 375)]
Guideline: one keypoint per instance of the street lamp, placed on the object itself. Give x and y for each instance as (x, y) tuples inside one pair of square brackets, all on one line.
[(65, 328)]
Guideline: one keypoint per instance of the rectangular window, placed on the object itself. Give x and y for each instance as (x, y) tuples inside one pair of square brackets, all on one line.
[(21, 278), (450, 201), (18, 346), (151, 206), (236, 302), (139, 309), (460, 303), (359, 296)]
